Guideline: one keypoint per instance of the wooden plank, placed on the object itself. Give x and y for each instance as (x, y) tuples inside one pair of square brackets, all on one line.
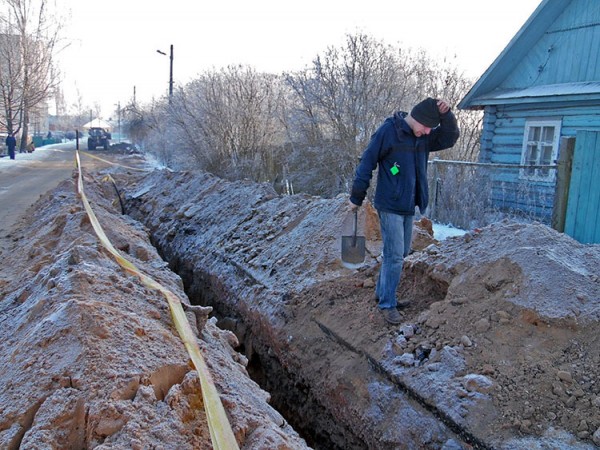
[(563, 57), (592, 63), (570, 114), (574, 188), (596, 235), (563, 180), (514, 140), (563, 51), (503, 157), (509, 129)]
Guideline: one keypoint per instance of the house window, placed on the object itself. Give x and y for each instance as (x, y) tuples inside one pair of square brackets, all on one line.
[(540, 148)]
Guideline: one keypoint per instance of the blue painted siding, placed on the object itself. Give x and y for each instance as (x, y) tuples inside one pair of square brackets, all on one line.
[(487, 134), (506, 140), (567, 51), (505, 131)]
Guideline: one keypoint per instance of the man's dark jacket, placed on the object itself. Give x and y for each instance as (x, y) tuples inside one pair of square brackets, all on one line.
[(11, 141), (394, 144)]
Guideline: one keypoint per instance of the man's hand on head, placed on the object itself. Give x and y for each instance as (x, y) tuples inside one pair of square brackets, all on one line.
[(353, 207), (443, 106)]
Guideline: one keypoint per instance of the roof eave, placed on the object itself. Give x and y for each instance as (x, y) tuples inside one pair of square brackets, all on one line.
[(482, 102), (547, 11)]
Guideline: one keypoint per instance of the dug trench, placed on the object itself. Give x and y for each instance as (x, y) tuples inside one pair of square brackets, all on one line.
[(299, 341), (319, 384), (490, 355)]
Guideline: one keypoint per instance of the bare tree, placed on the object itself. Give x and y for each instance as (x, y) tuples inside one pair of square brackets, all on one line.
[(308, 127), (348, 89), (79, 111), (344, 97), (37, 33), (155, 119), (10, 80), (134, 124), (228, 120), (444, 79), (341, 100)]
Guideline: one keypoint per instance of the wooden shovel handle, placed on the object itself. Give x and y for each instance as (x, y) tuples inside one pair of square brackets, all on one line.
[(355, 228)]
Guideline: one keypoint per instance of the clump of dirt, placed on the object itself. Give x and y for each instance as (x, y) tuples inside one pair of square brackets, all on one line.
[(91, 356)]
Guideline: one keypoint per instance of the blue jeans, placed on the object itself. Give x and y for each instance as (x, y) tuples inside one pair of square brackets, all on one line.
[(396, 232)]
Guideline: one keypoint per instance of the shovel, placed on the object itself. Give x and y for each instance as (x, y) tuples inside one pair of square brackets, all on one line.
[(353, 247)]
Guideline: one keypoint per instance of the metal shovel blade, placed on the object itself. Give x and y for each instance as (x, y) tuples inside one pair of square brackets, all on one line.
[(353, 247)]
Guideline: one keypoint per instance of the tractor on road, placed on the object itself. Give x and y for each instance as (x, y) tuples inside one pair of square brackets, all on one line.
[(98, 137)]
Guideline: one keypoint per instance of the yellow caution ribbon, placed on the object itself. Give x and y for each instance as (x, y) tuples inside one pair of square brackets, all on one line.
[(221, 433), (113, 163)]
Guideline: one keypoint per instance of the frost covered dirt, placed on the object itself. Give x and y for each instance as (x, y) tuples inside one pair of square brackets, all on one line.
[(499, 348), (91, 358)]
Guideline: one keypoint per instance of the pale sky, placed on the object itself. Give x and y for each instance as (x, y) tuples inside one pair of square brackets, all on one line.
[(114, 42)]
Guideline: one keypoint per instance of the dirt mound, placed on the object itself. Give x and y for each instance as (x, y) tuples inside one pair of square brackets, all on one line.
[(91, 357), (522, 307), (498, 346), (125, 147)]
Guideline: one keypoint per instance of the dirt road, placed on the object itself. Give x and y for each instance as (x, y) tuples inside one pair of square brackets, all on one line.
[(24, 180)]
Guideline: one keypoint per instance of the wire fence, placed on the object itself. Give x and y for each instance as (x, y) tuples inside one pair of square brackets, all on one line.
[(469, 195)]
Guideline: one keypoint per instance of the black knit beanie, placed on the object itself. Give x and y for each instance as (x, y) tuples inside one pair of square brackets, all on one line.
[(427, 113)]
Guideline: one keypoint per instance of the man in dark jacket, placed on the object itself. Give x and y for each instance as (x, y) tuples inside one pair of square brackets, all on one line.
[(400, 149), (11, 143)]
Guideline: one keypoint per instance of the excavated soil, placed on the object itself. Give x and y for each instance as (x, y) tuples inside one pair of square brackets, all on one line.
[(498, 348), (91, 358)]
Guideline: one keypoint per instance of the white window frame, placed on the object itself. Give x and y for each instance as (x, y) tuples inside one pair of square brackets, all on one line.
[(538, 174)]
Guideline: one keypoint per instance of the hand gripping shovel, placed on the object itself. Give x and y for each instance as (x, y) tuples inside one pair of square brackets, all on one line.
[(353, 247)]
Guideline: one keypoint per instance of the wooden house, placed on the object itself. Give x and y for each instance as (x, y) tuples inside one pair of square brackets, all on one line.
[(541, 103)]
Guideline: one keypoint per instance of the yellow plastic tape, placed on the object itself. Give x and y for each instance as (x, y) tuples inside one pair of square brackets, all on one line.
[(220, 429)]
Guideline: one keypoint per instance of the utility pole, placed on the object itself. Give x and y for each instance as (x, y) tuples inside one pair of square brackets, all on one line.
[(119, 119), (171, 74), (170, 71)]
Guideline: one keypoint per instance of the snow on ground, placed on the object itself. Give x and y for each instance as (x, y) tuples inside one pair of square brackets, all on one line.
[(95, 360), (40, 154), (506, 316), (441, 231)]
